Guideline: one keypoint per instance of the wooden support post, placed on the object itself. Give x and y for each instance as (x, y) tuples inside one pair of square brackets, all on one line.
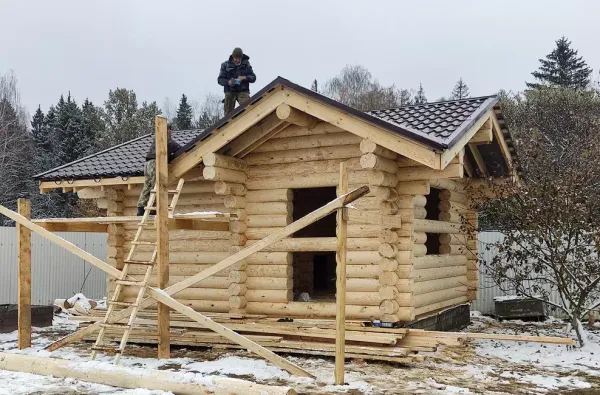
[(24, 277), (340, 286), (162, 231)]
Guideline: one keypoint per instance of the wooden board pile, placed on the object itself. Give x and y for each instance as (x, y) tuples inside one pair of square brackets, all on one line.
[(307, 336)]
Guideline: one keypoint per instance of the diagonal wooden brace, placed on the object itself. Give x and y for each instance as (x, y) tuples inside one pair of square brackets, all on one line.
[(99, 263), (178, 287)]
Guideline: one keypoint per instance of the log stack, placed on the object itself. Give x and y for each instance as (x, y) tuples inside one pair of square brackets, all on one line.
[(230, 178), (114, 198)]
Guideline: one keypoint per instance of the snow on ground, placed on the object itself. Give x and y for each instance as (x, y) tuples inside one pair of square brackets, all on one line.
[(483, 367)]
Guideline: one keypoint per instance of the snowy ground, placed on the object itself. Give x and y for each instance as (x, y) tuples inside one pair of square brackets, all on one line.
[(483, 367)]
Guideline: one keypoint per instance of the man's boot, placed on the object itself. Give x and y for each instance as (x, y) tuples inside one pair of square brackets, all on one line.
[(140, 211)]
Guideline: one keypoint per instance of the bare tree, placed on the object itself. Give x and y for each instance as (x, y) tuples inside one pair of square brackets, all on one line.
[(210, 111), (550, 218), (356, 87)]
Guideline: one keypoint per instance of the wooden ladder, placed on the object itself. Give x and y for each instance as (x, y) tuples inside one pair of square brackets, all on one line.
[(141, 285)]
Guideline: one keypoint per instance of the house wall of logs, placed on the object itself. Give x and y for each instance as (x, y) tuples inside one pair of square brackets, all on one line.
[(391, 276)]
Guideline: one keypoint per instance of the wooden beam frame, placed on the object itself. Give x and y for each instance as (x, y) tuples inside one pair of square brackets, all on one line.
[(398, 144), (162, 232), (227, 262), (24, 276), (340, 285), (242, 142), (478, 159), (503, 146), (62, 242), (297, 117), (450, 154), (484, 134), (262, 139), (220, 137), (46, 186)]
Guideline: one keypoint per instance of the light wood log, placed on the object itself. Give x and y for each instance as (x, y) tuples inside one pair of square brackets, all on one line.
[(283, 271), (312, 309), (437, 285), (363, 230), (295, 116), (223, 161), (440, 305), (405, 314), (432, 226), (269, 283), (268, 221), (446, 205), (454, 196), (308, 142), (363, 298), (413, 188), (227, 188), (374, 162), (362, 271), (389, 306), (187, 246), (237, 276), (91, 193), (316, 180), (472, 264), (205, 294), (270, 208), (131, 377), (388, 278), (270, 258), (452, 249), (221, 174), (450, 216), (410, 201), (370, 147), (24, 276), (237, 239), (439, 273), (237, 226), (436, 261), (273, 195), (419, 250), (403, 161), (273, 295), (388, 208), (383, 193), (236, 289), (425, 173), (388, 265), (260, 233), (362, 285), (363, 257), (382, 179), (185, 199), (231, 201), (302, 168), (299, 155), (309, 244), (439, 296), (447, 238), (447, 184), (298, 131)]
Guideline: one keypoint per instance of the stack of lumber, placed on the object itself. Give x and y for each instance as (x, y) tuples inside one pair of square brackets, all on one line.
[(308, 336)]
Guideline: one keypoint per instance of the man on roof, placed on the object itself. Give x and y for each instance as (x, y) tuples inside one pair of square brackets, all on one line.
[(150, 170), (235, 77)]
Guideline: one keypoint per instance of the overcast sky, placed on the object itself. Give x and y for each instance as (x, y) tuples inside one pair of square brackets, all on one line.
[(166, 48)]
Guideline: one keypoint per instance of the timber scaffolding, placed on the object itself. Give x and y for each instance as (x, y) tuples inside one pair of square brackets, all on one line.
[(246, 279)]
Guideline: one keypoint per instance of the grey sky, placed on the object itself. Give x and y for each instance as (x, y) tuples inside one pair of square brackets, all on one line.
[(166, 48)]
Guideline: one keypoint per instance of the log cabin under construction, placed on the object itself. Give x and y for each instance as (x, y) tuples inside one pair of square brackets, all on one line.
[(277, 158)]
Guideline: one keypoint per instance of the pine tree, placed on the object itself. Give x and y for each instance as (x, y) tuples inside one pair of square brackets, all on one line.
[(420, 95), (93, 125), (315, 86), (71, 137), (461, 90), (38, 129), (562, 67), (184, 114)]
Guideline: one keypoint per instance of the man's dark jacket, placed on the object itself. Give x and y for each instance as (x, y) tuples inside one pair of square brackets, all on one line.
[(172, 148), (230, 70)]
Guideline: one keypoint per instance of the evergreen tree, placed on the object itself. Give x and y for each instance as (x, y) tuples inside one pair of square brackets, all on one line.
[(461, 90), (420, 95), (145, 117), (562, 67), (184, 114), (93, 125), (315, 86), (70, 133), (38, 129), (120, 117)]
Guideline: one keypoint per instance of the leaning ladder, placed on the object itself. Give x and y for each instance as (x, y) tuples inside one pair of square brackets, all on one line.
[(141, 285)]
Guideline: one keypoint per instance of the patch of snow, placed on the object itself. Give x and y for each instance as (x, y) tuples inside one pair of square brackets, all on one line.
[(550, 382), (240, 367)]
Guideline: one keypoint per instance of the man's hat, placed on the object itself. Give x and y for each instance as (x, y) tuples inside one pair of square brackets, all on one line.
[(237, 52)]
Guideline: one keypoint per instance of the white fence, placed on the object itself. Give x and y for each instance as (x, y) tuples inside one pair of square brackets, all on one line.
[(487, 289), (55, 272)]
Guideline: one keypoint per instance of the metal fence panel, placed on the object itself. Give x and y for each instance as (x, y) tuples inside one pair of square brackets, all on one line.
[(55, 272), (487, 289)]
